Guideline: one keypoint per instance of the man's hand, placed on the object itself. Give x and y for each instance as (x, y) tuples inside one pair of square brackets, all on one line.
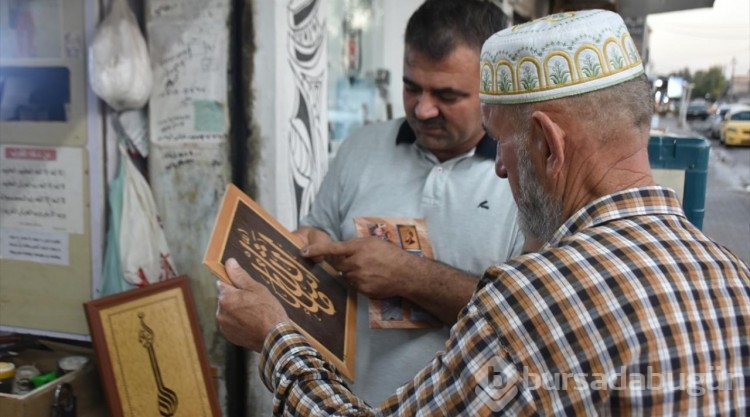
[(247, 311), (380, 269), (372, 266), (312, 236)]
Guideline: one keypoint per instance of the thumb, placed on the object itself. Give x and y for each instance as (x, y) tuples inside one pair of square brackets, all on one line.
[(239, 277)]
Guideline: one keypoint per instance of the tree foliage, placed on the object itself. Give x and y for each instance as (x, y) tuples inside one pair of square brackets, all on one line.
[(684, 74), (710, 84)]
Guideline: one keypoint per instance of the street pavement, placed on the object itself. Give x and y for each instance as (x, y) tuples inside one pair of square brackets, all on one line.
[(727, 216)]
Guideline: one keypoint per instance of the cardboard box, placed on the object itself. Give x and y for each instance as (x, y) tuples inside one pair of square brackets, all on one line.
[(37, 403)]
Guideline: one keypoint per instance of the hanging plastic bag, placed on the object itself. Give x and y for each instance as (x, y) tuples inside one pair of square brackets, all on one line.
[(113, 280), (144, 252), (133, 126), (119, 63)]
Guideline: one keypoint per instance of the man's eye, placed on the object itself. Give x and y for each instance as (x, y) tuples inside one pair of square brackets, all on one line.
[(448, 98)]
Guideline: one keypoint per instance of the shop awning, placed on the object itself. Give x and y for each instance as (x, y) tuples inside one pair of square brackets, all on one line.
[(646, 7)]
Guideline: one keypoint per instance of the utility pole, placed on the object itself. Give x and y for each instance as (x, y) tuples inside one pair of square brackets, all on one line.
[(730, 94), (687, 90)]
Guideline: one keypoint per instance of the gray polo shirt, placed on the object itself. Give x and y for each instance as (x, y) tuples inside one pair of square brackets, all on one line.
[(470, 216)]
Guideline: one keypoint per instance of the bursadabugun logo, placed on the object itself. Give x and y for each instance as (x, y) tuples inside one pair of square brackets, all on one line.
[(496, 383)]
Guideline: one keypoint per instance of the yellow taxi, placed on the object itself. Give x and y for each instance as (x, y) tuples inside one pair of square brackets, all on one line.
[(735, 130)]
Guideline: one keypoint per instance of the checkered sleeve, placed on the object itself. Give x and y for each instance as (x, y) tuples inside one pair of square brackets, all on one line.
[(302, 382), (472, 377)]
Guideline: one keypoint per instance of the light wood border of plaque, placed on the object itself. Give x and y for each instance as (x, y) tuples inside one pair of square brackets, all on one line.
[(212, 259), (98, 313)]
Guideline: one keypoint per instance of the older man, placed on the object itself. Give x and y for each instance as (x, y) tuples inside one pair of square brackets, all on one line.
[(627, 309)]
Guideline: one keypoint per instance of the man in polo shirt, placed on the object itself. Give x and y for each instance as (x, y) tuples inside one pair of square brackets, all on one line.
[(436, 165)]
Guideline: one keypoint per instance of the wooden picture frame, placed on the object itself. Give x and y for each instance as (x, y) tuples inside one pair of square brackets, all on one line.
[(317, 301), (150, 353)]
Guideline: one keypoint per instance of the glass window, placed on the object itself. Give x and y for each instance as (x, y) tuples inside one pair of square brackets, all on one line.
[(357, 85)]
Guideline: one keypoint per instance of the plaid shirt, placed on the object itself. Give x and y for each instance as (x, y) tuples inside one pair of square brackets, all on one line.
[(629, 310)]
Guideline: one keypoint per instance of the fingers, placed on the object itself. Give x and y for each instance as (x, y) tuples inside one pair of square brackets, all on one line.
[(310, 235), (317, 259), (238, 276), (219, 293), (301, 237), (317, 249), (320, 250), (223, 295)]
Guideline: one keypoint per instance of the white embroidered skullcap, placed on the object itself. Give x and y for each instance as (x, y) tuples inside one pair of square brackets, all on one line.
[(557, 56)]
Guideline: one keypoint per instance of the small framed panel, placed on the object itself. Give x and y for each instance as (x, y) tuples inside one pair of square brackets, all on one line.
[(150, 352)]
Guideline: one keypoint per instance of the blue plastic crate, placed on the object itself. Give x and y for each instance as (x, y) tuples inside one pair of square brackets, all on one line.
[(689, 154)]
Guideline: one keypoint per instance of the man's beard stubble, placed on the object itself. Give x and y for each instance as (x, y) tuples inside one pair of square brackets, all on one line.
[(540, 213)]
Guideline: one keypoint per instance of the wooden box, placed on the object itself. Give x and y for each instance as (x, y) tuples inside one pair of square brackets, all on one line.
[(37, 403)]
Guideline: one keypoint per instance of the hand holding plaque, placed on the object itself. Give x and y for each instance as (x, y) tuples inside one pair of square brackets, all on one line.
[(247, 311), (320, 305)]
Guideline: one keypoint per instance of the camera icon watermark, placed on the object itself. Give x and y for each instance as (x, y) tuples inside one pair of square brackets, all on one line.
[(497, 383)]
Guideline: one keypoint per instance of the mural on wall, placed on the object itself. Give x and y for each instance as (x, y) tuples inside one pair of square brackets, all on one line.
[(308, 140)]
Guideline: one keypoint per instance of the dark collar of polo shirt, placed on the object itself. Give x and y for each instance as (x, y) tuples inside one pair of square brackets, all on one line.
[(485, 148)]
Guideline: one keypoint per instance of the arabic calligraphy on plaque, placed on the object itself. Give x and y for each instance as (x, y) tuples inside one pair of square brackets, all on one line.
[(291, 282)]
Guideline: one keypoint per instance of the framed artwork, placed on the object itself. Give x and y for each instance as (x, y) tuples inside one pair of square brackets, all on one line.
[(410, 235), (317, 301), (150, 352)]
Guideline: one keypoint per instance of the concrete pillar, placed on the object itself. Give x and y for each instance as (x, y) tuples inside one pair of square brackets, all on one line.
[(289, 121), (189, 142)]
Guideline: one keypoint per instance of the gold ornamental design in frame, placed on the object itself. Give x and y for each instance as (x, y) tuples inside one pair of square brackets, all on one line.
[(150, 353)]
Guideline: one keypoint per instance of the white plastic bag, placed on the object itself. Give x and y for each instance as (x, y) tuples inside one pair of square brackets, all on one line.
[(119, 63), (144, 252), (133, 125)]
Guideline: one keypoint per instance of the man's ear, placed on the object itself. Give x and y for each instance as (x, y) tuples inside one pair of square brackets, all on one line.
[(551, 138)]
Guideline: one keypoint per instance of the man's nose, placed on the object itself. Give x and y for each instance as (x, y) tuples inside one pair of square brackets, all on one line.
[(426, 108)]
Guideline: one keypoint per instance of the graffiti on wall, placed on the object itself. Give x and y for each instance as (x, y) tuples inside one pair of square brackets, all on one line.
[(308, 134)]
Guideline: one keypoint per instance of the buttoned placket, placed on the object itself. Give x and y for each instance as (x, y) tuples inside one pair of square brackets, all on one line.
[(438, 178)]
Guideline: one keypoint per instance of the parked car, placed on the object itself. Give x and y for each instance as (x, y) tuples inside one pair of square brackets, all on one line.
[(697, 110), (736, 127), (716, 119)]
